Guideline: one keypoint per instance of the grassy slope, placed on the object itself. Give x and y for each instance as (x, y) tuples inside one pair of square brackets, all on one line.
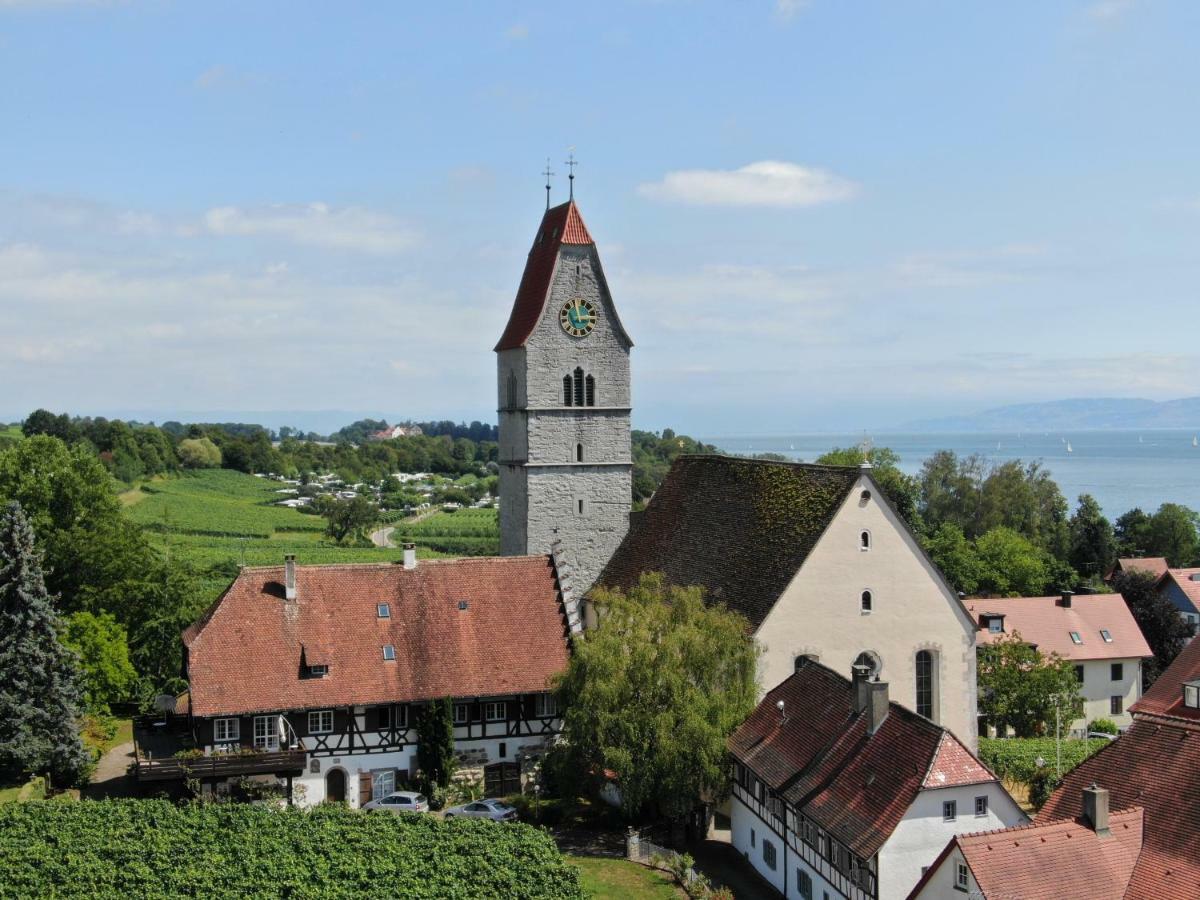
[(618, 879), (221, 518)]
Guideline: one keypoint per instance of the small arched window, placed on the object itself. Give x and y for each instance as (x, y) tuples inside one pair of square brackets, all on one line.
[(866, 601), (581, 507), (864, 540), (579, 387), (590, 390), (924, 667), (579, 453), (566, 390)]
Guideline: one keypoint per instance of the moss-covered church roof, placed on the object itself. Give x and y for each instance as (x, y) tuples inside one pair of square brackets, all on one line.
[(739, 528)]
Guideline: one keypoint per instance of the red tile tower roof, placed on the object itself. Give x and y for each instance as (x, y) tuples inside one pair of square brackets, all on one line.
[(560, 225), (1062, 860), (821, 760), (472, 627), (1046, 623)]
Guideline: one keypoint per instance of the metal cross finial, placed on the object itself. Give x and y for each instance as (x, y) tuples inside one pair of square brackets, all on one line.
[(571, 164), (548, 175)]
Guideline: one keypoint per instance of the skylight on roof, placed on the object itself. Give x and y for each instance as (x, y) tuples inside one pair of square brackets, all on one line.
[(389, 652), (1075, 638), (1106, 634), (462, 604), (383, 611)]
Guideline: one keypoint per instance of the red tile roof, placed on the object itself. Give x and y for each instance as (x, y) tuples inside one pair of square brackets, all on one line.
[(1042, 621), (821, 759), (244, 655), (740, 528), (560, 225), (1155, 565), (1062, 860), (1183, 580), (1155, 765)]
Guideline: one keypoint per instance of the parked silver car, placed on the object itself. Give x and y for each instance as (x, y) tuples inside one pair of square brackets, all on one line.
[(400, 802), (496, 810)]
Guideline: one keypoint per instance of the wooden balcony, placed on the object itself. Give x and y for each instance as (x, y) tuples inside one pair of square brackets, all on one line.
[(282, 762)]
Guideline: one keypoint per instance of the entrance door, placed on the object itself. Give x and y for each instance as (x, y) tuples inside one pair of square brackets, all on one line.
[(500, 779), (335, 786)]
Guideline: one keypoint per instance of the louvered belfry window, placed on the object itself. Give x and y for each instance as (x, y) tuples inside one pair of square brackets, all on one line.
[(579, 387)]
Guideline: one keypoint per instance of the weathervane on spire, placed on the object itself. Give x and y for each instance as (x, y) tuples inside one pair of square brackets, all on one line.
[(571, 164), (548, 175)]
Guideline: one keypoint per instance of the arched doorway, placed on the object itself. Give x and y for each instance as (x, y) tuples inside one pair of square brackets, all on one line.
[(335, 786)]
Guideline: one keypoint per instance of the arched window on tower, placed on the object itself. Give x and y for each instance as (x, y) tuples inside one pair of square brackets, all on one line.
[(866, 600), (924, 666), (865, 540), (579, 387), (590, 390), (579, 453), (566, 390), (512, 390)]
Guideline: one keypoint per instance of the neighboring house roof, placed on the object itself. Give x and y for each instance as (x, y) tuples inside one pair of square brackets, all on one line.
[(1155, 565), (1183, 579), (1063, 860), (244, 655), (560, 225), (740, 528), (1154, 765), (1045, 622), (821, 760)]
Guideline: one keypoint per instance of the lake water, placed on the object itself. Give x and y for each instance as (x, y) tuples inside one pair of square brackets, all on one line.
[(1121, 469)]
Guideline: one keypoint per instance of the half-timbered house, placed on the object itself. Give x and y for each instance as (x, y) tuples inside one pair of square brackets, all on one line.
[(317, 674)]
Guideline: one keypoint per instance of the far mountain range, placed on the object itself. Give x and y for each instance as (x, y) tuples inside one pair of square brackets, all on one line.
[(1085, 414)]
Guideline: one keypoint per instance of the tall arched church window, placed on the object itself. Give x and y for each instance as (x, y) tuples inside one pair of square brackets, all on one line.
[(567, 390), (579, 387), (590, 390), (924, 666)]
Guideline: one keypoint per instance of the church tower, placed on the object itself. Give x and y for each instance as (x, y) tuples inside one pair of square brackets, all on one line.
[(564, 404)]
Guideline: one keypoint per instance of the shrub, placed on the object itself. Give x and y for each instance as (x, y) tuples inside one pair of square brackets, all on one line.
[(1103, 726), (1041, 786), (151, 848)]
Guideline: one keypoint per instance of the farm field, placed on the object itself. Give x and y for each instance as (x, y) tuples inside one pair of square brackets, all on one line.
[(218, 519)]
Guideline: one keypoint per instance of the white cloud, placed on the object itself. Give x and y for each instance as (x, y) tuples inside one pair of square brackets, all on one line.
[(1107, 10), (788, 9), (316, 224), (517, 32), (765, 183)]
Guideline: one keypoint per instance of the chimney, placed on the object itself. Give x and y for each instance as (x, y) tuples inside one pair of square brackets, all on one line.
[(860, 678), (877, 704), (289, 577), (1095, 809), (1064, 599), (410, 556)]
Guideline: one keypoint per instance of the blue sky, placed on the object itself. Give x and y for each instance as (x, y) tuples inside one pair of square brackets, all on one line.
[(813, 215)]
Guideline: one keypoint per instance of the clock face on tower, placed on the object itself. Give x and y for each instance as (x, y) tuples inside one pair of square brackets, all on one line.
[(578, 317)]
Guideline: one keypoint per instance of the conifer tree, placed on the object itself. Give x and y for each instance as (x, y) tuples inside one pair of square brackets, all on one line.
[(39, 678)]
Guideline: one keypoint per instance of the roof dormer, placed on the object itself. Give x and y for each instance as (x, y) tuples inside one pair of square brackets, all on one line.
[(992, 622)]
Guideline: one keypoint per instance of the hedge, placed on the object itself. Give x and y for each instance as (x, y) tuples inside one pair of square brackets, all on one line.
[(154, 849), (1015, 758)]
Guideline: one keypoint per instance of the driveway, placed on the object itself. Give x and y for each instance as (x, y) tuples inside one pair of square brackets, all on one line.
[(109, 779)]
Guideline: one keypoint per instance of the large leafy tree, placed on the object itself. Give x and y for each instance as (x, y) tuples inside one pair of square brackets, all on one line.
[(347, 518), (903, 491), (1093, 546), (39, 689), (1160, 622), (653, 692), (951, 552), (1012, 565), (1021, 688), (100, 643), (1171, 532)]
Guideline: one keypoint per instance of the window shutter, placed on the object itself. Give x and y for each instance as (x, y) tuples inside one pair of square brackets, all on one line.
[(364, 788)]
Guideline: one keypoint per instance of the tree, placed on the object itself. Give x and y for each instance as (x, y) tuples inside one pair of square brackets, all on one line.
[(199, 453), (1093, 547), (1130, 532), (39, 691), (951, 552), (1010, 564), (903, 491), (102, 646), (1020, 687), (435, 741), (653, 692), (1171, 532), (349, 517), (1164, 629)]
